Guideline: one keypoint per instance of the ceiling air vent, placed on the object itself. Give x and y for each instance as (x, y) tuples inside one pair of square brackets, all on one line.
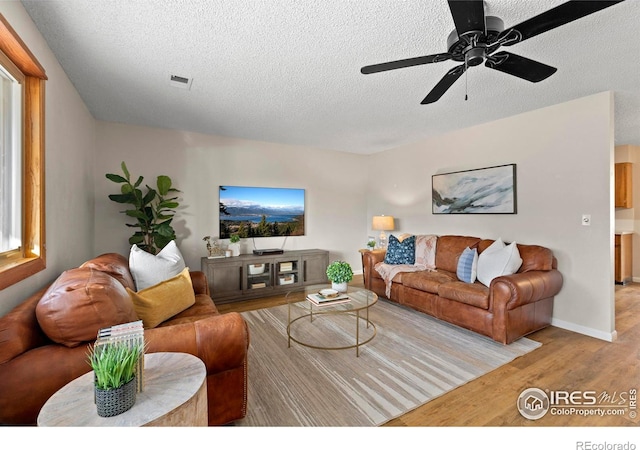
[(180, 81)]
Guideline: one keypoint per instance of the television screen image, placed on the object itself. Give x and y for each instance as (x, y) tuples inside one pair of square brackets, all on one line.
[(261, 211)]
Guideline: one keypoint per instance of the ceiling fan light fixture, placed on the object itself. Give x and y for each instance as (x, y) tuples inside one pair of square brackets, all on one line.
[(477, 37)]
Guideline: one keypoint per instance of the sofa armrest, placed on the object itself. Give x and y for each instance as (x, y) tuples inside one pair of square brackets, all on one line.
[(512, 291), (369, 261), (199, 281), (221, 341), (32, 377)]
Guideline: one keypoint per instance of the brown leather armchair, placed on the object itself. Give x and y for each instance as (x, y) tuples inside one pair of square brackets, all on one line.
[(33, 366)]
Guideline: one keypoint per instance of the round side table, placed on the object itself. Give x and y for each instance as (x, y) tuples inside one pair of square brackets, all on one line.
[(174, 394)]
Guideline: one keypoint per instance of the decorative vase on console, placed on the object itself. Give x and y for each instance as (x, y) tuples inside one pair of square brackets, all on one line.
[(234, 245), (339, 273)]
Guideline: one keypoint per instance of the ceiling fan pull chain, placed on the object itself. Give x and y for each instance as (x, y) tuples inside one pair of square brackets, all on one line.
[(466, 79)]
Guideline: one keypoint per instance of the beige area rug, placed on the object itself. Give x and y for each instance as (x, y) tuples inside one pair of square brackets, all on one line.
[(413, 358)]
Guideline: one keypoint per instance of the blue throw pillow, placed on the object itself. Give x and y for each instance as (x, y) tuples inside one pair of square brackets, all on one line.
[(401, 252), (468, 265)]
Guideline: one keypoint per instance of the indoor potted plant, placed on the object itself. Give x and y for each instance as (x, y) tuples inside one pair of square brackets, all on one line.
[(234, 245), (153, 209), (339, 273), (114, 366)]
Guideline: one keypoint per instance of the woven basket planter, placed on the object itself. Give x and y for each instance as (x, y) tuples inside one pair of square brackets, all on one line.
[(116, 401)]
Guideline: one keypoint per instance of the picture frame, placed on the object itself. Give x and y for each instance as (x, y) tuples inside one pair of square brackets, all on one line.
[(488, 190)]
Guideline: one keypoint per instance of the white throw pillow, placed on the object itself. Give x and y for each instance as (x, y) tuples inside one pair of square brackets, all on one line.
[(148, 270), (498, 259)]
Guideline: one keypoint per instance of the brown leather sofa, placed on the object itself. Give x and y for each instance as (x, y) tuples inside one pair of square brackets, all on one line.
[(511, 307), (33, 367)]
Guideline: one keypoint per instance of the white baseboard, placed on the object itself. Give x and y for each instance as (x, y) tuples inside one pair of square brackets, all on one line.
[(598, 334)]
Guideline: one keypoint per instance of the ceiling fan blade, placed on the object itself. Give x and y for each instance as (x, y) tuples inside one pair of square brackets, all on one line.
[(375, 68), (444, 84), (519, 66), (555, 17), (467, 15)]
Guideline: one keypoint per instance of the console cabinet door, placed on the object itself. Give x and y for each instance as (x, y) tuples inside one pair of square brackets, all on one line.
[(287, 272), (225, 279), (314, 268)]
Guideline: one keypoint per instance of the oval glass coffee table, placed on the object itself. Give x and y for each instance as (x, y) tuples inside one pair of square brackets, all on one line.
[(338, 332)]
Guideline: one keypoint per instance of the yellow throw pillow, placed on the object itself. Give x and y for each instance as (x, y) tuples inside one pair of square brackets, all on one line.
[(164, 300)]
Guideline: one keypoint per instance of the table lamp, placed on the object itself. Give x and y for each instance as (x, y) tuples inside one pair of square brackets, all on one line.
[(383, 223)]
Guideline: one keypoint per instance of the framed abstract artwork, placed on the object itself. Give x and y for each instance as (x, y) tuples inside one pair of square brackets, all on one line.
[(490, 190)]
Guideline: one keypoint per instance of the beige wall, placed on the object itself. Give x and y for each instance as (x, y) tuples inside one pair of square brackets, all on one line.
[(564, 157), (334, 182), (70, 149)]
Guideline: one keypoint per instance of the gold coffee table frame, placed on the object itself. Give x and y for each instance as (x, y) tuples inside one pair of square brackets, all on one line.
[(360, 301)]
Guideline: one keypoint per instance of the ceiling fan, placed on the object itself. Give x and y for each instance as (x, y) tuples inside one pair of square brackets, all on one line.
[(477, 37)]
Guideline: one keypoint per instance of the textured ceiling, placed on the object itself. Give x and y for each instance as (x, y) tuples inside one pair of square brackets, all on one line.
[(288, 71)]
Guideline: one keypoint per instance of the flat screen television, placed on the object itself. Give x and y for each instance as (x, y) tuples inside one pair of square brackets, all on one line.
[(261, 211)]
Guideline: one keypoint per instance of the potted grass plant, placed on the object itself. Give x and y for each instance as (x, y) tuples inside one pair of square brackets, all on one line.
[(339, 273), (114, 366)]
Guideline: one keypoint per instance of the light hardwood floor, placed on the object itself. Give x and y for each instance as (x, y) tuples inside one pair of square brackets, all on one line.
[(567, 361)]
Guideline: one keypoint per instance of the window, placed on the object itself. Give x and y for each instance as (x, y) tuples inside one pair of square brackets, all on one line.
[(22, 238), (10, 162)]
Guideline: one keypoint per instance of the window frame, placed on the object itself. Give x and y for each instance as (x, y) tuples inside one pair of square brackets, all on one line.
[(20, 264)]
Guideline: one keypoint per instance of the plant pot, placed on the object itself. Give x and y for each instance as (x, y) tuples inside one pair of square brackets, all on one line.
[(235, 249), (112, 402), (340, 287)]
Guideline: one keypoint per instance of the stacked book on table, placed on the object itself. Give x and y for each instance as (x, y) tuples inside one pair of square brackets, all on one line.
[(326, 300), (131, 334)]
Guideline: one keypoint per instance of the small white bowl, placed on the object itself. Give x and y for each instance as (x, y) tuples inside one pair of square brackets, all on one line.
[(329, 292)]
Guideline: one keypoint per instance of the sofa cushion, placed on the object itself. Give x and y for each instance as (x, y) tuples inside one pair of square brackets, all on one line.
[(497, 260), (474, 294), (428, 281), (449, 249), (401, 252), (202, 308), (468, 265), (149, 270), (164, 300), (534, 257), (115, 265), (79, 303)]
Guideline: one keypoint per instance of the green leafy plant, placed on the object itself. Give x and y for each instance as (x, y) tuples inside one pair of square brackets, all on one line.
[(339, 272), (234, 238), (153, 210), (114, 364)]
